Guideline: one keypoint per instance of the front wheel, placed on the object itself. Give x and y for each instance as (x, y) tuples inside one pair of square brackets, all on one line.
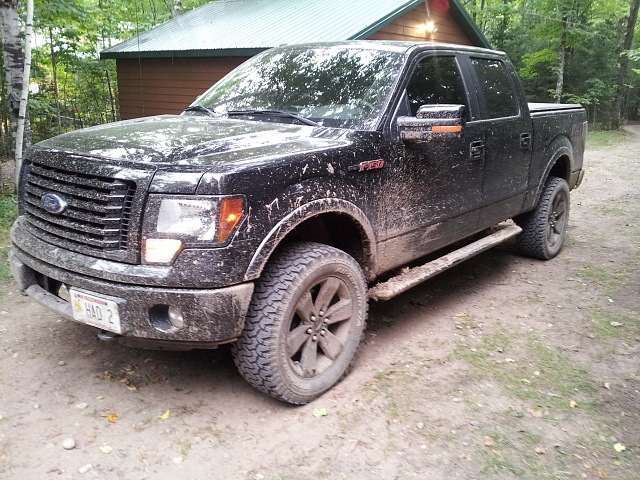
[(305, 321), (545, 227)]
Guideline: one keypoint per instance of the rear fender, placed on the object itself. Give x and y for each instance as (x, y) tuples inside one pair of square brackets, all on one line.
[(560, 158)]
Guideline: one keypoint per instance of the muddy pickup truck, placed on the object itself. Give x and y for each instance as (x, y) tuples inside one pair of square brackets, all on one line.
[(287, 196)]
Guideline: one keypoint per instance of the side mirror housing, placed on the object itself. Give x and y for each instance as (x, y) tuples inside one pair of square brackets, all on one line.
[(433, 122)]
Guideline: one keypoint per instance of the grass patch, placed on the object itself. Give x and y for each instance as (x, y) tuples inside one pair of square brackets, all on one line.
[(610, 280), (606, 138), (610, 211), (8, 214), (539, 375), (609, 324)]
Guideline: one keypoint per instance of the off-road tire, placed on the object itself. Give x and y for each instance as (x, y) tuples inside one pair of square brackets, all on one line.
[(304, 324), (545, 227)]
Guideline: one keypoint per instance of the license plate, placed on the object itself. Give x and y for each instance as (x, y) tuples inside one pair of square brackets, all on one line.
[(95, 310)]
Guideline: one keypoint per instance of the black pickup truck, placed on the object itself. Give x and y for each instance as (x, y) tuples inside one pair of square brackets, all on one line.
[(266, 214)]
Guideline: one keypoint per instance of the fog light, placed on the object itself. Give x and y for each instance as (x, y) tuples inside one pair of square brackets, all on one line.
[(175, 317), (166, 318)]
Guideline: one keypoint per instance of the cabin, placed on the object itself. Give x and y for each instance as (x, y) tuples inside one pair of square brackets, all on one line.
[(164, 69)]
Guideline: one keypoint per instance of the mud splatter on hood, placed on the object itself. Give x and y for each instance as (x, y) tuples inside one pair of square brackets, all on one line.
[(193, 140)]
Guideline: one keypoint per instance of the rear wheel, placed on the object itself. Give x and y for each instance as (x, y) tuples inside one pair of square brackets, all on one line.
[(304, 323), (544, 228)]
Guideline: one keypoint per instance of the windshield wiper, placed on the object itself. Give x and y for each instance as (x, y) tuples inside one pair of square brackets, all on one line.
[(273, 113), (203, 109)]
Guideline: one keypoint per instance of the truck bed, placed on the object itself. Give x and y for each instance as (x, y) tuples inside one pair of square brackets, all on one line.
[(550, 107)]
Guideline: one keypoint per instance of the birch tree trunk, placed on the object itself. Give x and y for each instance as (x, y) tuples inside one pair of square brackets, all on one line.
[(562, 54), (12, 55), (26, 73)]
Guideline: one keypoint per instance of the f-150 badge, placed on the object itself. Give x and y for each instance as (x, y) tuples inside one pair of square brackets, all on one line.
[(364, 166)]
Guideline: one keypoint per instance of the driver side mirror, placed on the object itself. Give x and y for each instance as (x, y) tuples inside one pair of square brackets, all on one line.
[(433, 122)]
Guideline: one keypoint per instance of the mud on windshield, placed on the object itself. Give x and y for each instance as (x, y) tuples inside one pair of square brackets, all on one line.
[(332, 86)]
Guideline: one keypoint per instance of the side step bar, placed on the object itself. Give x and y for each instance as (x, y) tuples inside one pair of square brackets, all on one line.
[(414, 276)]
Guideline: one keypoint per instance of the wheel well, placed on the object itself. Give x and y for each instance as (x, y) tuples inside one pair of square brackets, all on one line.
[(340, 231), (561, 168)]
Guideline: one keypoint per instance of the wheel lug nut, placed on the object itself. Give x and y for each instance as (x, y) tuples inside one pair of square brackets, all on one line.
[(312, 318), (321, 312), (323, 332), (314, 338), (326, 320), (309, 331)]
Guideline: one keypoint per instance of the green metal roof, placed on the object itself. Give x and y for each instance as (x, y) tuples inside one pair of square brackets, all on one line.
[(246, 27)]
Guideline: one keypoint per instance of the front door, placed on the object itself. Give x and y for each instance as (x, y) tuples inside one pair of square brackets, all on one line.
[(432, 189)]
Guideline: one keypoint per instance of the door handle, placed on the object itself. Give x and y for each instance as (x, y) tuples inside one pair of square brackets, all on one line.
[(476, 150), (525, 141)]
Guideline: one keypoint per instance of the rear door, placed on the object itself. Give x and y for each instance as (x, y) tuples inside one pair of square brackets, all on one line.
[(508, 138)]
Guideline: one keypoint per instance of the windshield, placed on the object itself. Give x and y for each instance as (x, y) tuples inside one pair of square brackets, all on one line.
[(332, 86)]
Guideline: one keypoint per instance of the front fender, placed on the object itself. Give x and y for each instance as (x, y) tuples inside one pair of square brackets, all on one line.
[(304, 212)]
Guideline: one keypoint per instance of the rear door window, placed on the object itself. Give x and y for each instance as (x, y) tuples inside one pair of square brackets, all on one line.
[(499, 97)]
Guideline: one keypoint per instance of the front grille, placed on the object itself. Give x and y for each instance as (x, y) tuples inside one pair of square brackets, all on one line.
[(97, 216)]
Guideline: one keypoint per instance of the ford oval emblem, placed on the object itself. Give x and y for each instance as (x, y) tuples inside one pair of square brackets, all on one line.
[(53, 203)]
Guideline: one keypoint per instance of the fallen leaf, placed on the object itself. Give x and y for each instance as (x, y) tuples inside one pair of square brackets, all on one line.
[(616, 324), (510, 360), (320, 412), (540, 451), (524, 380), (113, 418), (573, 404), (132, 388), (606, 385), (106, 449), (619, 447), (165, 415), (488, 442), (462, 314)]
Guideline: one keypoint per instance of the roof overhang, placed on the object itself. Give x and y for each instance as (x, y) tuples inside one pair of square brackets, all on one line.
[(142, 46)]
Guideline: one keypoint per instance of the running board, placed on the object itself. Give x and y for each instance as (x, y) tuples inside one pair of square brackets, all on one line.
[(414, 276)]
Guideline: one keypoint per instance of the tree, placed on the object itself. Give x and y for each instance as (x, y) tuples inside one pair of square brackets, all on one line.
[(624, 64), (26, 72), (13, 60)]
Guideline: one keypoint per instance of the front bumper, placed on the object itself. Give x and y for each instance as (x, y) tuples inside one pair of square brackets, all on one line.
[(211, 316)]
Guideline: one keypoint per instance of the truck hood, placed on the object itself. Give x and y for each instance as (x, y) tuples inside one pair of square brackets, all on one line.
[(192, 140)]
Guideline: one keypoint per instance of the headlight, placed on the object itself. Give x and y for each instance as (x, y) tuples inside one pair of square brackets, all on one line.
[(175, 221)]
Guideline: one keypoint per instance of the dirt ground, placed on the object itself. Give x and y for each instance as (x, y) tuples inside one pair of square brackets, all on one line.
[(500, 368)]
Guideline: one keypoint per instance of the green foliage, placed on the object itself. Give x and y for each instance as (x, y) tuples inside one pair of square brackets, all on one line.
[(533, 33), (8, 214), (71, 88)]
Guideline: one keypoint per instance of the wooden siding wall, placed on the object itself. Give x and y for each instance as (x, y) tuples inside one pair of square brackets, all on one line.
[(411, 27), (154, 86)]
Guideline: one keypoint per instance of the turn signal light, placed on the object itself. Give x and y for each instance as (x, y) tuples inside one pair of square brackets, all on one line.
[(231, 212), (446, 128)]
